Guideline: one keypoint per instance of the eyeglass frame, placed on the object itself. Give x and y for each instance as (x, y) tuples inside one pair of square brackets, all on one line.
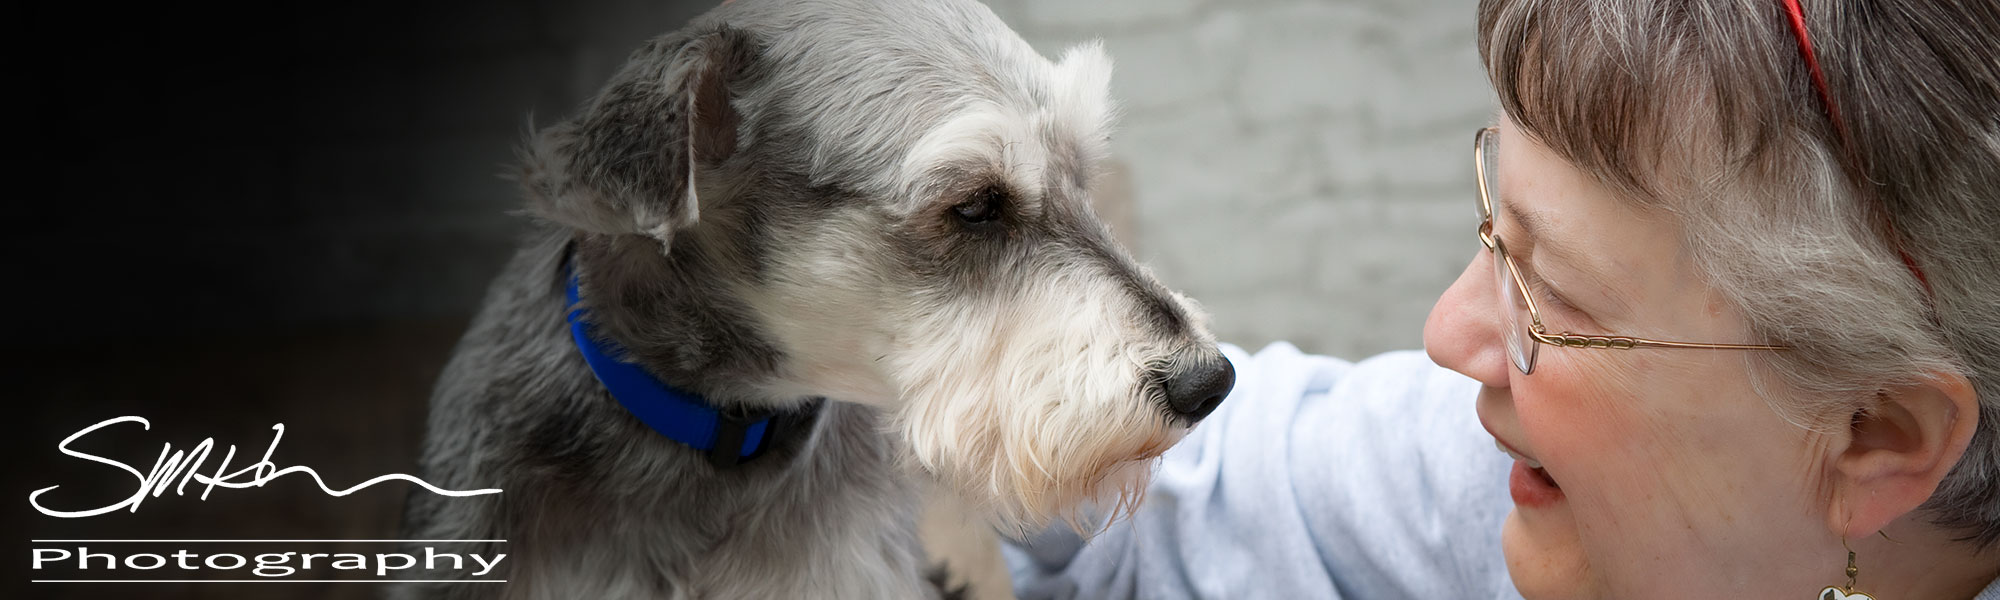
[(1536, 330)]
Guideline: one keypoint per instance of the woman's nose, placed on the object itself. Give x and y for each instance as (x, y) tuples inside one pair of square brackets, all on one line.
[(1463, 331)]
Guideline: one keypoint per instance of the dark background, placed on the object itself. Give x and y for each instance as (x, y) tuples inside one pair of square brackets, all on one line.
[(230, 217)]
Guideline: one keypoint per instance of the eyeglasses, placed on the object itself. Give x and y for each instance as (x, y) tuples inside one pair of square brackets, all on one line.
[(1524, 331)]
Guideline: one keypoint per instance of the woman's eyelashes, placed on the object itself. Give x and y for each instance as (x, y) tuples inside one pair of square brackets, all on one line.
[(1549, 299), (1552, 300)]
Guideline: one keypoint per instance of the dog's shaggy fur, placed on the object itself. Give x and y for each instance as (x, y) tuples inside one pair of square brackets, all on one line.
[(882, 203)]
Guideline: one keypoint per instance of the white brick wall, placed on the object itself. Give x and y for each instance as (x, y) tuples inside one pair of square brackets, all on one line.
[(1301, 167)]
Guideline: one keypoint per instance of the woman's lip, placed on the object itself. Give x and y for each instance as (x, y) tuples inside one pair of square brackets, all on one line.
[(1527, 483), (1531, 489)]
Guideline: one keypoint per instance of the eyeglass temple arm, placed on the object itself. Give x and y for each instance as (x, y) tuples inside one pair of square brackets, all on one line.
[(1570, 340)]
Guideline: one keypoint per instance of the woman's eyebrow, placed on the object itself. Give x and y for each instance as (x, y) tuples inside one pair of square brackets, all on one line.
[(1536, 226)]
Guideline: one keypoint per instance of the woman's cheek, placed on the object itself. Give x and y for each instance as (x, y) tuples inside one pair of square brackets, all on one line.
[(1580, 404), (1590, 420)]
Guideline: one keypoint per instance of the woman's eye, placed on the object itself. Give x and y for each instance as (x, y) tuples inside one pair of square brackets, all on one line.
[(1554, 301), (1557, 302), (1545, 294), (981, 207)]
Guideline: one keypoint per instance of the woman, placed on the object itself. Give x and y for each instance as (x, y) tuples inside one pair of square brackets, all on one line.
[(1735, 315)]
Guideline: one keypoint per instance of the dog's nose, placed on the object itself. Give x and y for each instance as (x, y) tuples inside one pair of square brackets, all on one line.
[(1200, 379)]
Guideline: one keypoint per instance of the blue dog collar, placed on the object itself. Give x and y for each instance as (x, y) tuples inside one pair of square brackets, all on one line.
[(728, 438)]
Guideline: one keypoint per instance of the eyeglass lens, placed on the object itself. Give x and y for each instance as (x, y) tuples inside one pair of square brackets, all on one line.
[(1515, 318), (1489, 167)]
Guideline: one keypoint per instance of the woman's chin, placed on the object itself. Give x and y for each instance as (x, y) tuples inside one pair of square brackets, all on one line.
[(1544, 556)]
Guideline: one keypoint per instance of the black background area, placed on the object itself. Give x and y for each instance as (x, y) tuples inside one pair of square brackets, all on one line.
[(228, 217)]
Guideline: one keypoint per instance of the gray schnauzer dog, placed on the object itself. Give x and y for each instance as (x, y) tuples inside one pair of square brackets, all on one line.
[(857, 234)]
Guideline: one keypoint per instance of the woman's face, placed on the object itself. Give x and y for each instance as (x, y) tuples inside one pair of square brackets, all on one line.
[(1671, 477)]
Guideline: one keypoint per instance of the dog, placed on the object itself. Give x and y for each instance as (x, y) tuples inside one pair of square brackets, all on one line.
[(857, 233)]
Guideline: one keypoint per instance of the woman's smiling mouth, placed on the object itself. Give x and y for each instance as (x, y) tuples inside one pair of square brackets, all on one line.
[(1529, 483)]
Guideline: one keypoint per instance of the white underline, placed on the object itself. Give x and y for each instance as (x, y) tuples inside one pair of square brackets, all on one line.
[(259, 541), (267, 581)]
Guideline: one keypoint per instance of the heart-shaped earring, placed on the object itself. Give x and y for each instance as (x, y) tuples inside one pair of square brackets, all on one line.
[(1834, 593), (1846, 592)]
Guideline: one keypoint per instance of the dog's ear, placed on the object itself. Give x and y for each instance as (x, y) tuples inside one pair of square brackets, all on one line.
[(627, 164), (1084, 92)]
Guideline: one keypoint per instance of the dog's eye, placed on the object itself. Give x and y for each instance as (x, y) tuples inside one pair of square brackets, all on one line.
[(981, 207)]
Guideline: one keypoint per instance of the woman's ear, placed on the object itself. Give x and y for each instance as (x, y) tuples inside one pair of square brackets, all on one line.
[(1896, 452)]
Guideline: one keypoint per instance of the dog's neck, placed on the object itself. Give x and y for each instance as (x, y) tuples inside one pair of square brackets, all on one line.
[(728, 436), (672, 313)]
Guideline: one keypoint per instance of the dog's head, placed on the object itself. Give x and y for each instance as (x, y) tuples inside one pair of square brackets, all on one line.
[(896, 195)]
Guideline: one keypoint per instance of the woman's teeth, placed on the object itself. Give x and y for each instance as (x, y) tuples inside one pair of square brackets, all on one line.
[(1532, 463)]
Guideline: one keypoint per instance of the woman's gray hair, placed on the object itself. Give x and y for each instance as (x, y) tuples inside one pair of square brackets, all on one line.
[(1705, 108)]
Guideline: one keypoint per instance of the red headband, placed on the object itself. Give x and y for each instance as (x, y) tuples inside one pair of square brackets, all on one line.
[(1798, 20), (1812, 63)]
